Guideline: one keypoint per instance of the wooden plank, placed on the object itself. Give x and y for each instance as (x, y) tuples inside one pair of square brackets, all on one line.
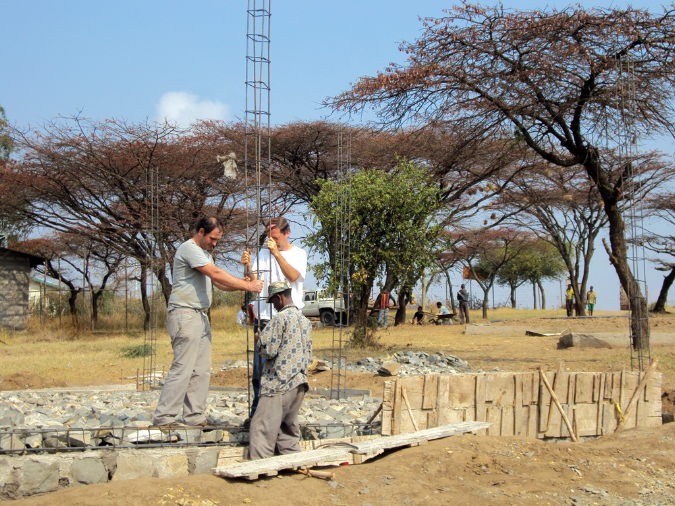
[(558, 405), (585, 416), (526, 382), (599, 404), (653, 389), (507, 425), (543, 412), (388, 407), (637, 393), (398, 405), (480, 397), (584, 388), (430, 391), (404, 394), (518, 428), (499, 389), (462, 390), (414, 388), (270, 466), (494, 418), (532, 419), (608, 386), (432, 419), (443, 399)]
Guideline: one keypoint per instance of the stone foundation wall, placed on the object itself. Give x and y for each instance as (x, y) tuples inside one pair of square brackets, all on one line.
[(24, 476)]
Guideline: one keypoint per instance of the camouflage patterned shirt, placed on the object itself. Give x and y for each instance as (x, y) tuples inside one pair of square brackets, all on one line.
[(286, 345)]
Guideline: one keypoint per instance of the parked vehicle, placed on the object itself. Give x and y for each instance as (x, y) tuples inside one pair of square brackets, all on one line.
[(318, 303)]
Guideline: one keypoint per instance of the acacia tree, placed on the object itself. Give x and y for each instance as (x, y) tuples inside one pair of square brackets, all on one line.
[(134, 188), (392, 227), (486, 252), (662, 207), (557, 77)]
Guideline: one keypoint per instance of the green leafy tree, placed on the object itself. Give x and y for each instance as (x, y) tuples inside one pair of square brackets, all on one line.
[(537, 261), (392, 230)]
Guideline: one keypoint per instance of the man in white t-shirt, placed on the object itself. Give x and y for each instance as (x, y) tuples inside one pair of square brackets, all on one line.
[(281, 260)]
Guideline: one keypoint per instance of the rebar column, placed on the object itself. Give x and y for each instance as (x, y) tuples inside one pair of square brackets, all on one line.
[(257, 154)]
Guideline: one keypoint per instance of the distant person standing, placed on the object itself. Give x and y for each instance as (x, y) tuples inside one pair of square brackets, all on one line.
[(591, 297), (187, 383), (382, 304), (569, 300), (463, 298)]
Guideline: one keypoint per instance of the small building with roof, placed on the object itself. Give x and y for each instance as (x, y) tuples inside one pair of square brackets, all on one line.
[(15, 268)]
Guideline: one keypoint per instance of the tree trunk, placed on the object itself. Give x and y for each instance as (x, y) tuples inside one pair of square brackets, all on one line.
[(95, 297), (486, 302), (543, 295), (513, 296), (403, 300), (144, 297), (660, 306), (618, 256), (534, 293)]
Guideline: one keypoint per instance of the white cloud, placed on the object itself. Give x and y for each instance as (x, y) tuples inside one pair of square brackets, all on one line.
[(185, 108)]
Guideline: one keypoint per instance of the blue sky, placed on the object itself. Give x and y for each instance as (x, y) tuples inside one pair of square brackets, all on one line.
[(138, 60)]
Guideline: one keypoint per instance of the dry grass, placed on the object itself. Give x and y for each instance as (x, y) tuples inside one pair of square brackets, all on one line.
[(96, 358)]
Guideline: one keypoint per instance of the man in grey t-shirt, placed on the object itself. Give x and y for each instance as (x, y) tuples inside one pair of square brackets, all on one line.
[(187, 382)]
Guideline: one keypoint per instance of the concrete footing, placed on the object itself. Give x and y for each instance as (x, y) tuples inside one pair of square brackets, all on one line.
[(24, 476)]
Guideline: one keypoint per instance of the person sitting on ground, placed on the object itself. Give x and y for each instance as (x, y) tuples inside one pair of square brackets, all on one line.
[(439, 319), (418, 317)]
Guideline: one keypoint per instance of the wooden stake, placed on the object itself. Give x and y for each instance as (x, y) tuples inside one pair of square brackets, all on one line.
[(377, 412), (407, 404), (554, 397), (325, 475), (636, 394), (556, 382)]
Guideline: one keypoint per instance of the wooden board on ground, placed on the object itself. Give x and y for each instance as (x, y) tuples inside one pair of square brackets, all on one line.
[(236, 454), (519, 404), (354, 454)]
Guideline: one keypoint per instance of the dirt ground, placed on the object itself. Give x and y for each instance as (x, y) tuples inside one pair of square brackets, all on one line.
[(637, 465), (634, 467)]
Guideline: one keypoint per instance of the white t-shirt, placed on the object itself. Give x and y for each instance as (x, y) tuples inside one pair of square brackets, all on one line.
[(297, 258)]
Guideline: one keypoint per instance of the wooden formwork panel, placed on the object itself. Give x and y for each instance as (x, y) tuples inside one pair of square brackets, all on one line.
[(520, 403)]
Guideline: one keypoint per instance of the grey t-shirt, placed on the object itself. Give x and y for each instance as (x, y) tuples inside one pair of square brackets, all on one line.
[(190, 287)]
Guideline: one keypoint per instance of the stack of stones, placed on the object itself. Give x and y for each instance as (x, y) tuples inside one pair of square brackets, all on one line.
[(32, 420), (412, 363)]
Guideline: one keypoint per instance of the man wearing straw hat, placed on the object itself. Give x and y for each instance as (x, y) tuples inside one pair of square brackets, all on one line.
[(286, 345)]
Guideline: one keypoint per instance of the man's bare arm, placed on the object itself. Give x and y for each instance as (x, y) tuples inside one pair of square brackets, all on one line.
[(226, 281), (289, 272)]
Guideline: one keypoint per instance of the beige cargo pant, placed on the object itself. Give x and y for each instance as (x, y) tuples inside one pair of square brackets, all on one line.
[(275, 424), (187, 383)]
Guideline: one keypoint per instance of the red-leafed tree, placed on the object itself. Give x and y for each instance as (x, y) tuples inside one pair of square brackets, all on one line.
[(560, 79), (137, 189)]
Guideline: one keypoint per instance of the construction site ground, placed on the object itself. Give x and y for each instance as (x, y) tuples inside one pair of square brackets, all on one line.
[(635, 467)]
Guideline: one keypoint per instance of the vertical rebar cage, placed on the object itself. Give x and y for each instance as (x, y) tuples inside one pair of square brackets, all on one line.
[(257, 154), (633, 214), (341, 270), (150, 378)]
